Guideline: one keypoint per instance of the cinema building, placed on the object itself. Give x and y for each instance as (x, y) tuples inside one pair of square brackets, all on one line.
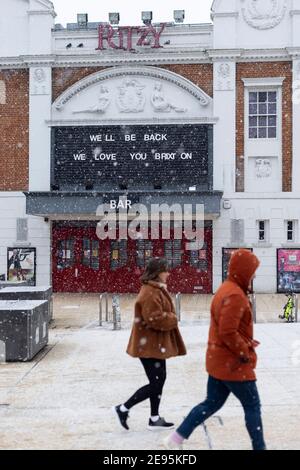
[(95, 113)]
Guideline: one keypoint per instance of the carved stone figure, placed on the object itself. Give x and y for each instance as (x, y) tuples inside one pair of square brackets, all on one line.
[(160, 103), (224, 77), (39, 85), (102, 105)]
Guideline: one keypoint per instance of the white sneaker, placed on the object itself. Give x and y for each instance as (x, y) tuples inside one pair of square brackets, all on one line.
[(169, 444)]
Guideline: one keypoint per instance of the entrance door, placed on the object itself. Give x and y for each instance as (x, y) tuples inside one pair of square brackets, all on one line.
[(83, 263), (78, 259), (191, 271)]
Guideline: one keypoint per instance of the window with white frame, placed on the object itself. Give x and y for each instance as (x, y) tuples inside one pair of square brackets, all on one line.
[(263, 230), (263, 114), (291, 227)]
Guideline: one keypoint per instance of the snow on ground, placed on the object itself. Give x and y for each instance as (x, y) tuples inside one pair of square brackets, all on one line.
[(63, 399)]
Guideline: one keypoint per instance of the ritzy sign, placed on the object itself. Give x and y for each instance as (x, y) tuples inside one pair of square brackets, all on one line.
[(124, 37)]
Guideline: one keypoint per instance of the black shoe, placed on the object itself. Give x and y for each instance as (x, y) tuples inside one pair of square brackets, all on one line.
[(159, 424), (122, 416)]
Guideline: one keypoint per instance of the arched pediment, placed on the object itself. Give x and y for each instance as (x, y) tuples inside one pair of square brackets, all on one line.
[(45, 4), (130, 94)]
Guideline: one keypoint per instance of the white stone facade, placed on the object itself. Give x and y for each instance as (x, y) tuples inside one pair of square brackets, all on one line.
[(242, 31)]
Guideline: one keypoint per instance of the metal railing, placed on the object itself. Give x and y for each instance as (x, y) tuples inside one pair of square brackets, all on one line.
[(111, 316)]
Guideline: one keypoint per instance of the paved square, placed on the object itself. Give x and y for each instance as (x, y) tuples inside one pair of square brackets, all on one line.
[(63, 399)]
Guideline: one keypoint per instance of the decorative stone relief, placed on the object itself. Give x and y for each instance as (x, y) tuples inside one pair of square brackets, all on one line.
[(160, 102), (2, 92), (131, 97), (264, 14), (263, 168), (131, 87), (102, 105), (38, 83), (224, 80)]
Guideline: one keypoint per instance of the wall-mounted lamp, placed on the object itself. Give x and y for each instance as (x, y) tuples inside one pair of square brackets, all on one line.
[(114, 18), (147, 17), (179, 16)]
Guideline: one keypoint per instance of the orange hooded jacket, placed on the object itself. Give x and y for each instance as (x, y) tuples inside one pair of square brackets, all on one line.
[(230, 354)]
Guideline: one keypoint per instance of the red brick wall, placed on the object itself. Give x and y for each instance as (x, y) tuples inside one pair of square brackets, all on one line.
[(14, 131), (201, 75), (63, 78), (258, 70)]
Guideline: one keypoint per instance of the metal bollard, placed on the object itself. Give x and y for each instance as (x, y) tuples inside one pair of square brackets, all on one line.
[(101, 308), (296, 303), (2, 352), (116, 312), (51, 310), (253, 301), (106, 306), (178, 306)]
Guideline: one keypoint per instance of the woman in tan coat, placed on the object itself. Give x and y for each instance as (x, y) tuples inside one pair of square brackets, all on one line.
[(154, 338)]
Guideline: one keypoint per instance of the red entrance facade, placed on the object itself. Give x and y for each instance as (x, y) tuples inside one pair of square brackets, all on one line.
[(83, 263)]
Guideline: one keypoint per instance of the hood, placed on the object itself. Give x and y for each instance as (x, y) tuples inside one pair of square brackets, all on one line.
[(242, 266)]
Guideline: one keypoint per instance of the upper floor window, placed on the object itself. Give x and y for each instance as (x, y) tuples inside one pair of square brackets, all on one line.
[(263, 230), (263, 114), (291, 230)]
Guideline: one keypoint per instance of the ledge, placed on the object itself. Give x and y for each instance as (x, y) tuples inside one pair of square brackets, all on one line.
[(58, 203), (262, 245)]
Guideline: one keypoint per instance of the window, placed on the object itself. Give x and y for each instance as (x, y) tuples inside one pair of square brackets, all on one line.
[(263, 231), (198, 258), (90, 253), (65, 255), (144, 252), (173, 252), (118, 254), (291, 230), (262, 114)]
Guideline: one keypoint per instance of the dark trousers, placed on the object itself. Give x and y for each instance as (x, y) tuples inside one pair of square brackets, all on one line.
[(217, 393), (156, 372)]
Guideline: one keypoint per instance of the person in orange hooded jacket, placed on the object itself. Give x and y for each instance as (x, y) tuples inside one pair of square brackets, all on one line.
[(231, 358)]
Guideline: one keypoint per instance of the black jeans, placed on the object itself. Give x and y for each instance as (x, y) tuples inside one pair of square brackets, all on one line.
[(217, 393), (156, 372)]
